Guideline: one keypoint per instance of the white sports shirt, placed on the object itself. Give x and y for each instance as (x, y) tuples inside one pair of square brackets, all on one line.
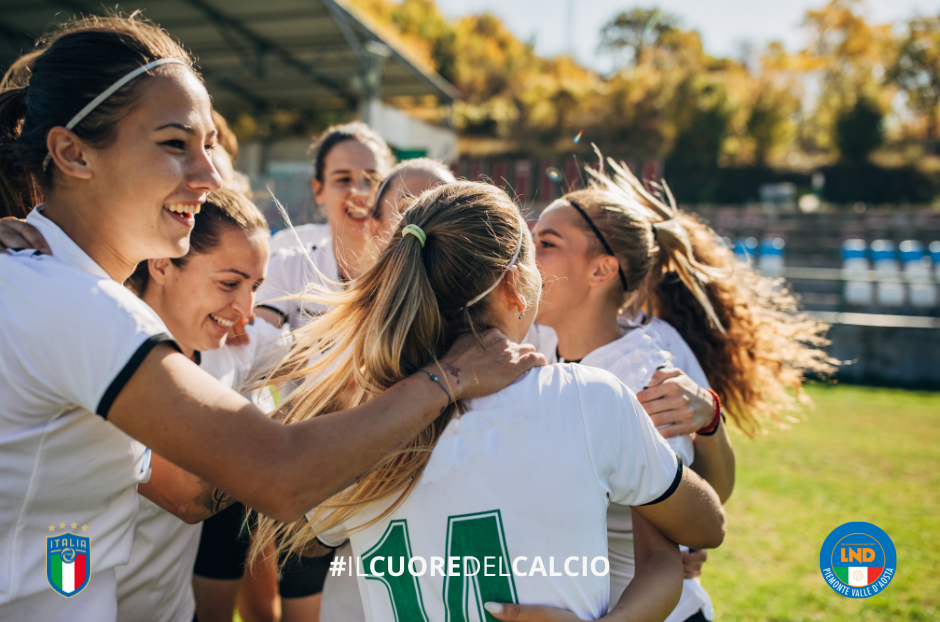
[(156, 584), (633, 359), (310, 235), (523, 479), (290, 271), (70, 339)]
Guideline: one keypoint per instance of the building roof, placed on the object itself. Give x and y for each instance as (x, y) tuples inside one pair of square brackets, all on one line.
[(307, 54)]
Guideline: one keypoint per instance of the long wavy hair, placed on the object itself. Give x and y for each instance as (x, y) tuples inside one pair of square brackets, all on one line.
[(402, 314), (754, 342)]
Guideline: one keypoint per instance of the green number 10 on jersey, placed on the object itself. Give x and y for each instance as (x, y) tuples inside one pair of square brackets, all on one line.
[(477, 568)]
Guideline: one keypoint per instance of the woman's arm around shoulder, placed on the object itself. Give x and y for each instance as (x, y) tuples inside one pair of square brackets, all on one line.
[(191, 419)]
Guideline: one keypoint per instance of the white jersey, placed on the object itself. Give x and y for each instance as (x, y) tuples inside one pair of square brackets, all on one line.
[(634, 358), (486, 492), (156, 584), (70, 339), (310, 235), (290, 272)]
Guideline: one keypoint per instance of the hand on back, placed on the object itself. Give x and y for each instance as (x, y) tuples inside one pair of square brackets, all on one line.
[(16, 233), (473, 371)]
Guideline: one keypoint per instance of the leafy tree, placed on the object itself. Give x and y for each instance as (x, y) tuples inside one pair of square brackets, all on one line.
[(859, 130), (631, 33), (917, 72)]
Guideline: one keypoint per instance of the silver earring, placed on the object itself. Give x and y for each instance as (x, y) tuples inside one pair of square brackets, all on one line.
[(519, 315)]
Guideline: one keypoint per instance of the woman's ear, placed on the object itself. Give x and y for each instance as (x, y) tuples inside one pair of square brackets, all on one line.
[(513, 299), (69, 153), (317, 186), (159, 270), (603, 269)]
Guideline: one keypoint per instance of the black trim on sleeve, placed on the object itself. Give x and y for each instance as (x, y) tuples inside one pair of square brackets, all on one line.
[(125, 374), (278, 311), (327, 546), (672, 487)]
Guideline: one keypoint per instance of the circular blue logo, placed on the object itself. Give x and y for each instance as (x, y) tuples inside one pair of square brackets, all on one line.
[(858, 560)]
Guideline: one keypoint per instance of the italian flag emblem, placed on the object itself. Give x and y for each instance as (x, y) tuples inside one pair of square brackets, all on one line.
[(857, 576), (68, 563)]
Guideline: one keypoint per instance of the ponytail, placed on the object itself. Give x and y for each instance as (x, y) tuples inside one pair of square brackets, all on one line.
[(747, 331), (401, 315), (19, 192)]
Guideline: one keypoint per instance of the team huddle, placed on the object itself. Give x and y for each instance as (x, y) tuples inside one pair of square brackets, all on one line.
[(192, 410)]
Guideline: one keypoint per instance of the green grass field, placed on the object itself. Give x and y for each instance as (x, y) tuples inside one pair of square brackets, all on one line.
[(861, 455)]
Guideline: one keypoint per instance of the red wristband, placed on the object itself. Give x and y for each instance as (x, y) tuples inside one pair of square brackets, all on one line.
[(712, 427)]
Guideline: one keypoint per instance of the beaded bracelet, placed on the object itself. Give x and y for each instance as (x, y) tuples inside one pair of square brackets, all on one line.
[(712, 427), (450, 400)]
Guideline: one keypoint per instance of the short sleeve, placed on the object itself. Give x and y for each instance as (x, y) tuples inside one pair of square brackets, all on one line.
[(81, 344), (285, 278), (633, 464)]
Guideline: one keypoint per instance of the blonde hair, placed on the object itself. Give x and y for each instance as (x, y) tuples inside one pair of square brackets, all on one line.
[(754, 343), (402, 314)]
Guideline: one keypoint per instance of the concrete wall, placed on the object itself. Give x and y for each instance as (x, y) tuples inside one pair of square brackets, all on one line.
[(892, 356)]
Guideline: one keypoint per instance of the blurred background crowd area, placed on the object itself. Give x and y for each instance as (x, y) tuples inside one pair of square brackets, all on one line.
[(817, 162)]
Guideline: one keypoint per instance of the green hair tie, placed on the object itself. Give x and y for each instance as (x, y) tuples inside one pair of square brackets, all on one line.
[(416, 231)]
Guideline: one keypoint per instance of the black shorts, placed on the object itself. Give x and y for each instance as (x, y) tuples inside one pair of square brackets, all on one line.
[(223, 547), (223, 550)]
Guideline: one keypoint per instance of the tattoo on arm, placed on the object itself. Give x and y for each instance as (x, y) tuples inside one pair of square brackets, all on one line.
[(215, 500), (453, 371)]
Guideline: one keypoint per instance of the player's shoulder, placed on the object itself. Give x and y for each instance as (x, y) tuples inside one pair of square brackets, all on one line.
[(568, 378)]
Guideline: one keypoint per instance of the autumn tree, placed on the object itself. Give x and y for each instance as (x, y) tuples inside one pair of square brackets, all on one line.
[(917, 72)]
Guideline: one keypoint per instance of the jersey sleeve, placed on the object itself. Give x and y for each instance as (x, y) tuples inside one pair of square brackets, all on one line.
[(284, 279), (683, 357), (85, 354), (633, 464)]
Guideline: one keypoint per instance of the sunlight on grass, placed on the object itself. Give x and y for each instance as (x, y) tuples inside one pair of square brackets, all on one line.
[(862, 455)]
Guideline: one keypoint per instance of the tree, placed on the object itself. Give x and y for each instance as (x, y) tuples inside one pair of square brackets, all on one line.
[(859, 130), (848, 56), (629, 34), (917, 72)]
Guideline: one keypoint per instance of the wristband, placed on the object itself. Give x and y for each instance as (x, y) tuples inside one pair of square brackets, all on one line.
[(712, 427), (450, 400)]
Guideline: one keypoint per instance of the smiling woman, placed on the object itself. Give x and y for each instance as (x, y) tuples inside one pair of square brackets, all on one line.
[(89, 375), (201, 295)]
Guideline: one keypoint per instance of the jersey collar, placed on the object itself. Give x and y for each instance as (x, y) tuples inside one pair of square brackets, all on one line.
[(63, 248)]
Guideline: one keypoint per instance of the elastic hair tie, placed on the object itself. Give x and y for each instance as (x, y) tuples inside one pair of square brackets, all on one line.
[(84, 112), (512, 262), (600, 236), (416, 231)]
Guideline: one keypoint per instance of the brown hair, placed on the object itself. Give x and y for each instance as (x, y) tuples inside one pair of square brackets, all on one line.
[(399, 316), (747, 331), (225, 137), (358, 131), (46, 88), (223, 209)]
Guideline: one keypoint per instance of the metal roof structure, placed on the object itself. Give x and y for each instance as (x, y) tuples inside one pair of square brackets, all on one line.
[(309, 54)]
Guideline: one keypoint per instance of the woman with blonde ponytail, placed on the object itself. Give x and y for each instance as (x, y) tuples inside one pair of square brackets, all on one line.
[(460, 261)]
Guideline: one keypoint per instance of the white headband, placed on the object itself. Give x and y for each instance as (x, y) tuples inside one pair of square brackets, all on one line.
[(522, 233), (108, 93)]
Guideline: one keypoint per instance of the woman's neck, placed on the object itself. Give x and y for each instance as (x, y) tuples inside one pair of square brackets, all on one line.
[(587, 329), (89, 237), (154, 299)]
